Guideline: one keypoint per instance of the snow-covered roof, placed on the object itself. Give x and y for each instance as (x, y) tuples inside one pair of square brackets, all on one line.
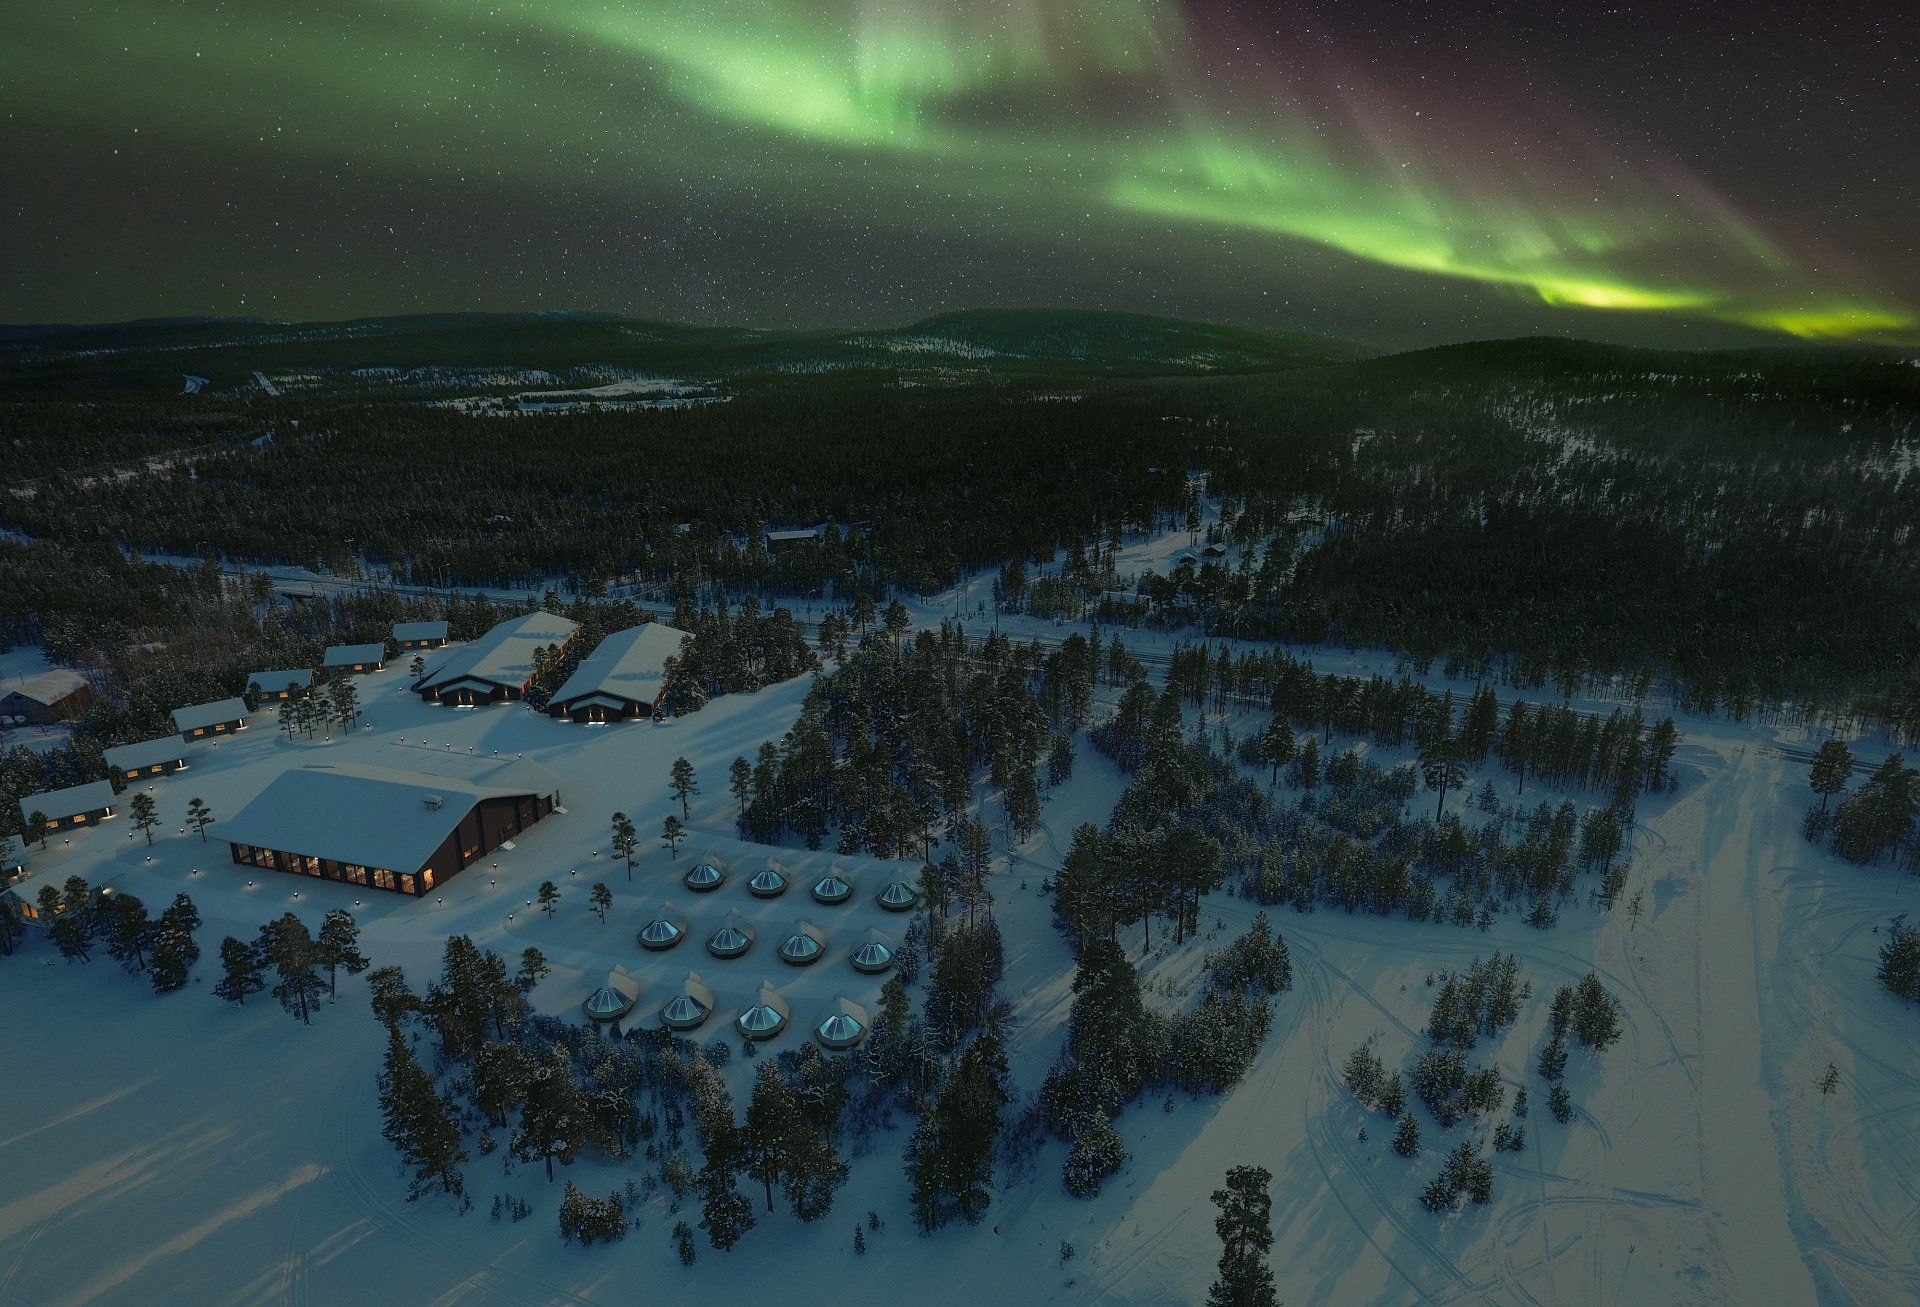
[(56, 805), (46, 688), (147, 753), (13, 851), (629, 666), (273, 682), (201, 715), (347, 655), (797, 533), (404, 631), (370, 815), (503, 656)]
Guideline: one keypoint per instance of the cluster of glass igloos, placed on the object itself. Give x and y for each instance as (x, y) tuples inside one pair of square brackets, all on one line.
[(804, 945)]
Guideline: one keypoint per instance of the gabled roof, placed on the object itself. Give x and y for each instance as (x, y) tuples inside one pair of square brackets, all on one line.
[(56, 805), (198, 715), (147, 753), (629, 666), (404, 631), (395, 822), (273, 682), (46, 688), (346, 655), (503, 656)]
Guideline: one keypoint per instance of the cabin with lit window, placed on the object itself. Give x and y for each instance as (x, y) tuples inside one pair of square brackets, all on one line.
[(133, 762), (273, 686), (77, 805), (626, 677), (420, 635), (357, 658), (411, 829), (202, 721), (48, 697), (502, 665)]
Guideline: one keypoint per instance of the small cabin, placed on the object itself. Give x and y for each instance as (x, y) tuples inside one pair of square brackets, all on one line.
[(420, 635), (273, 686), (355, 657), (77, 805), (203, 720), (133, 762)]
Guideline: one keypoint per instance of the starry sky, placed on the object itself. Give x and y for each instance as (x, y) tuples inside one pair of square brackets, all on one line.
[(1384, 170)]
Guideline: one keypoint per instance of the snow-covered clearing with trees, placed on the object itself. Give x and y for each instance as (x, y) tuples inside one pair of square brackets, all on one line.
[(180, 1149)]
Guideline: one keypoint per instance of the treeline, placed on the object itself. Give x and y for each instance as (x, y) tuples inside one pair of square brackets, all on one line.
[(1879, 818), (442, 498), (1346, 841), (1556, 744)]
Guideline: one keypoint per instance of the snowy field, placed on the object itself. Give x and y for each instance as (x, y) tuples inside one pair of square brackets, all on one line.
[(177, 1149)]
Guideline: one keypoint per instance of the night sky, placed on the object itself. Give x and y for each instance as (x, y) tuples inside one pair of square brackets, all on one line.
[(1401, 173)]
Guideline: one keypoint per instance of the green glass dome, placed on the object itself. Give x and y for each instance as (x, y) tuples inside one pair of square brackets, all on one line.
[(830, 889), (898, 897), (761, 1021), (660, 935), (872, 958), (801, 949), (704, 877), (768, 884), (729, 942)]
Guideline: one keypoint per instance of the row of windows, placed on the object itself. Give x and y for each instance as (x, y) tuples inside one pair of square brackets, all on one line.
[(352, 872)]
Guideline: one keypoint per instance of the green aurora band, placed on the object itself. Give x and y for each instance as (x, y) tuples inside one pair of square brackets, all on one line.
[(1021, 111)]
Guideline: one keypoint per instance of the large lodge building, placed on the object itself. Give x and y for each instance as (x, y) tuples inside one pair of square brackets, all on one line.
[(501, 665), (625, 677), (415, 825)]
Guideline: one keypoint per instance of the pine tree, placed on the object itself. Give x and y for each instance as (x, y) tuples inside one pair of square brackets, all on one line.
[(533, 969), (599, 900), (548, 897), (240, 971), (289, 949), (672, 833), (1246, 1236), (199, 817), (419, 1123), (170, 946), (1832, 769), (554, 1116), (146, 815), (124, 926), (626, 840), (338, 947), (1899, 968), (392, 999), (684, 785), (1406, 1138)]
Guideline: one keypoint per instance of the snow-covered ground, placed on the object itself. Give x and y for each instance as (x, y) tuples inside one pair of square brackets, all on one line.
[(178, 1149)]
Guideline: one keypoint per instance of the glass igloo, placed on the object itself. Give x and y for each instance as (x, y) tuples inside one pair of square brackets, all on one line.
[(898, 897), (704, 878), (730, 941), (802, 948), (872, 957), (661, 934), (767, 884), (831, 889)]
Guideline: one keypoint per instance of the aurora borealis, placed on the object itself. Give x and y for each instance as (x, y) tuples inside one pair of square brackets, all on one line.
[(1398, 172)]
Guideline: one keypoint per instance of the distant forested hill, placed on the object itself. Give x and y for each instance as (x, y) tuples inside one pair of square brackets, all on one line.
[(1740, 524)]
